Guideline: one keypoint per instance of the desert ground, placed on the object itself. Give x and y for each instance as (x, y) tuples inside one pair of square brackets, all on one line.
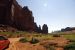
[(59, 43)]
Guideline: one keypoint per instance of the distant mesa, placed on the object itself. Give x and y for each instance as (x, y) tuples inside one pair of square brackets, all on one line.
[(68, 29), (12, 14)]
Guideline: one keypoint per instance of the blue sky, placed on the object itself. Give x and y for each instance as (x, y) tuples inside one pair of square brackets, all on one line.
[(56, 14)]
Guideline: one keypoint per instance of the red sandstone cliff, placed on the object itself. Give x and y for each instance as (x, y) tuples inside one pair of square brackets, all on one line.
[(11, 13)]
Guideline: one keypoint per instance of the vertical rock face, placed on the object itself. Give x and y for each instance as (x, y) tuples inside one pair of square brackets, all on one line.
[(11, 13), (22, 17), (38, 29), (4, 6), (45, 28)]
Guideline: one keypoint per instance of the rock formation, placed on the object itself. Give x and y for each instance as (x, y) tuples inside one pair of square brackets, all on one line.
[(4, 11), (45, 28), (23, 18), (11, 13), (68, 29), (37, 29)]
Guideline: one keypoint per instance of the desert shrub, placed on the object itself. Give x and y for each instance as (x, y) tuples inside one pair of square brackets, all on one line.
[(34, 41), (56, 35), (23, 40), (49, 47), (36, 35), (70, 47), (71, 40)]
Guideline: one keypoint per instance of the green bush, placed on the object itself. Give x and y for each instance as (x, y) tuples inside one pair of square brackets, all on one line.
[(23, 40), (34, 41), (56, 35), (70, 47)]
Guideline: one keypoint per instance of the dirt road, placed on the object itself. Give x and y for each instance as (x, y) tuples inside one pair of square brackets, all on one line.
[(13, 42)]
